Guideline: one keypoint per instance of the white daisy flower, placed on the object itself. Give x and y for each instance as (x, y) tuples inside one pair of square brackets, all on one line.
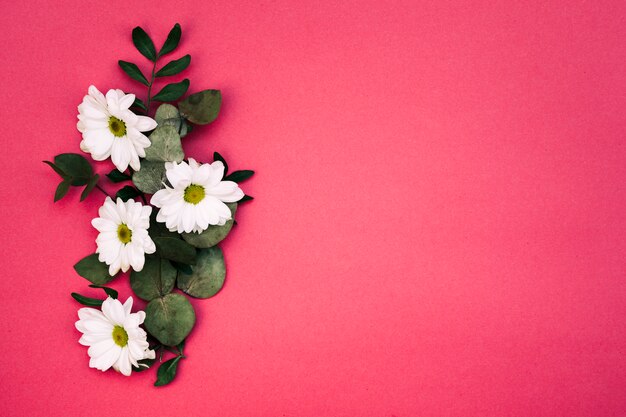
[(109, 128), (123, 238), (197, 197), (114, 336)]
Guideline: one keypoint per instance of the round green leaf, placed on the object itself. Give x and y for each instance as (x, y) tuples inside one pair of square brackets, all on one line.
[(201, 108), (149, 179), (170, 318), (93, 270), (156, 279), (207, 276), (166, 146), (213, 234), (167, 114)]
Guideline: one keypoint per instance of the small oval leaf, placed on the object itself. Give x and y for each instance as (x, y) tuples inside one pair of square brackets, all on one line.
[(89, 187), (207, 276), (133, 71), (167, 371), (62, 190), (144, 44), (239, 176), (75, 166), (172, 92), (202, 107), (93, 270), (174, 67), (170, 318), (87, 301), (173, 38)]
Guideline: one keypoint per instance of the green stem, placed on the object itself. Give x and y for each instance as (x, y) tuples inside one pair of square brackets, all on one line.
[(102, 189), (149, 100)]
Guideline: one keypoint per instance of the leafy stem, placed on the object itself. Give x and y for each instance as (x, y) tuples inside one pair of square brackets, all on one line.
[(149, 99), (103, 190)]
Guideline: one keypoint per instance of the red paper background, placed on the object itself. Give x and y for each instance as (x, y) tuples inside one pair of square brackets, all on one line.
[(439, 220)]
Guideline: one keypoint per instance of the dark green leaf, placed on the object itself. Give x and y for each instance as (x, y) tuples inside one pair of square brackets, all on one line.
[(149, 179), (212, 235), (127, 193), (109, 291), (172, 92), (202, 107), (174, 67), (62, 189), (86, 301), (140, 104), (239, 176), (170, 318), (158, 229), (208, 274), (167, 371), (89, 187), (93, 270), (181, 346), (218, 157), (56, 169), (116, 176), (182, 268), (133, 72), (143, 365), (175, 249), (173, 38), (245, 198), (156, 279), (74, 166), (144, 44)]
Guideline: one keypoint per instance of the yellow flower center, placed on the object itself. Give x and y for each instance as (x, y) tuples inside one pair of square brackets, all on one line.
[(117, 127), (124, 234), (194, 194), (120, 337)]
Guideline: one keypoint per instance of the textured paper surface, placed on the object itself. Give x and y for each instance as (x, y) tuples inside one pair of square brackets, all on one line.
[(440, 215)]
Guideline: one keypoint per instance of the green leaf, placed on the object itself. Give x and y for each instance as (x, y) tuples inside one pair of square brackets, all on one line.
[(90, 186), (75, 166), (56, 169), (109, 291), (167, 371), (149, 179), (133, 72), (156, 279), (245, 198), (143, 365), (182, 268), (86, 301), (218, 157), (62, 189), (202, 107), (140, 104), (144, 44), (166, 146), (208, 274), (174, 67), (185, 128), (127, 193), (213, 234), (93, 270), (170, 318), (167, 115), (172, 92), (116, 176), (175, 249), (173, 38), (239, 176)]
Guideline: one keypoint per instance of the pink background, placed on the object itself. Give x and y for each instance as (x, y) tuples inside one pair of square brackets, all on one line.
[(439, 220)]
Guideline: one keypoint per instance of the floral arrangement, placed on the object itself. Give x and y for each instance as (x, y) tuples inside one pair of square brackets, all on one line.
[(168, 241)]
